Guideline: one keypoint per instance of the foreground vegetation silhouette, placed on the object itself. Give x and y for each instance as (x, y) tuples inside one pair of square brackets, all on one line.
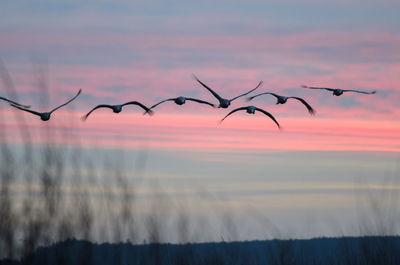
[(345, 250)]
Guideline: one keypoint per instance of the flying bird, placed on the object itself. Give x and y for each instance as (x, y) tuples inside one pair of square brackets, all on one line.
[(251, 110), (283, 99), (14, 103), (118, 108), (338, 91), (182, 100), (223, 102), (45, 116)]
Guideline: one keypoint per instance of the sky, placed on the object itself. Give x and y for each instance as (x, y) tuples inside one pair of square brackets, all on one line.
[(316, 168)]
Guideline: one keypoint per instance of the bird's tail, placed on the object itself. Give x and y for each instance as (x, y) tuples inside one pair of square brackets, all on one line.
[(149, 111)]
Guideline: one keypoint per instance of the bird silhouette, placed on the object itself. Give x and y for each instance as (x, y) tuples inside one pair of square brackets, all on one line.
[(251, 110), (223, 102), (338, 91), (14, 103), (118, 108), (45, 116), (283, 99), (181, 100)]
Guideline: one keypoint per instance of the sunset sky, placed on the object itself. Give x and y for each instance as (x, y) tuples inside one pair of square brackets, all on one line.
[(314, 169)]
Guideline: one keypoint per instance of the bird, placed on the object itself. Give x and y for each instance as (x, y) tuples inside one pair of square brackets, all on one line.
[(338, 91), (118, 108), (223, 102), (251, 110), (181, 100), (14, 103), (283, 99), (45, 116)]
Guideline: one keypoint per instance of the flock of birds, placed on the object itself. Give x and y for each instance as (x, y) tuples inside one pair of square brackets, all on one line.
[(223, 102)]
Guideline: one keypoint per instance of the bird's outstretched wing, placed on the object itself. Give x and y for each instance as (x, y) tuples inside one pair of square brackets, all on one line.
[(269, 115), (241, 108), (265, 93), (162, 101), (80, 90), (358, 91), (28, 110), (95, 108), (201, 101), (310, 109), (209, 89), (259, 84), (14, 103), (149, 111), (314, 87)]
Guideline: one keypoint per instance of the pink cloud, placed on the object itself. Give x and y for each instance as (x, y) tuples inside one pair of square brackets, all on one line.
[(241, 132), (282, 61), (367, 44), (151, 85)]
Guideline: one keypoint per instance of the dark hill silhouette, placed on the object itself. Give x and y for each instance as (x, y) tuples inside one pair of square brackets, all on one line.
[(344, 250)]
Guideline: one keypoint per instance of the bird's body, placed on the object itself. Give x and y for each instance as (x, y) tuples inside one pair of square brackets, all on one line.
[(45, 116), (252, 110), (14, 103), (118, 108), (283, 100), (182, 100), (223, 102), (338, 91)]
